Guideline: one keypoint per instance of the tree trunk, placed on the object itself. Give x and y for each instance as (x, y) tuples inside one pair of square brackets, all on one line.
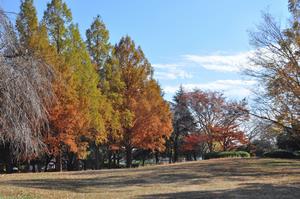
[(9, 167), (97, 157), (128, 156), (9, 163), (175, 145), (109, 158), (32, 163), (48, 159), (156, 158), (195, 156), (114, 160), (84, 164), (7, 158), (58, 165), (143, 161), (118, 159)]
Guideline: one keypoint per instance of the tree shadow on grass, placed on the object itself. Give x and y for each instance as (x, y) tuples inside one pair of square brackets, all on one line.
[(249, 190), (84, 185), (177, 175)]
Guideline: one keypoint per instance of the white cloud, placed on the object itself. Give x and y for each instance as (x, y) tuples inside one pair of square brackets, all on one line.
[(221, 63), (218, 62), (231, 88), (168, 66), (170, 71), (172, 74)]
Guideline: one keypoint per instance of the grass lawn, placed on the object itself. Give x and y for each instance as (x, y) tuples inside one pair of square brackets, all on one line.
[(219, 178)]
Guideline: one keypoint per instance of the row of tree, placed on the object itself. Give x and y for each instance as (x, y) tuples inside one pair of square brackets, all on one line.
[(88, 103), (67, 99)]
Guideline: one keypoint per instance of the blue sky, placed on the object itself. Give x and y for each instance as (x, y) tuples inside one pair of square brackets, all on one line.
[(195, 43)]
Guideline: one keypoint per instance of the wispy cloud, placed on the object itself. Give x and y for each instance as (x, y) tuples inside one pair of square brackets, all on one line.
[(221, 63), (232, 88), (168, 66), (170, 72), (173, 74), (231, 63)]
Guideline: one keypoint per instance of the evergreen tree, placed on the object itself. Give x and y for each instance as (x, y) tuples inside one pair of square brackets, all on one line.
[(183, 122)]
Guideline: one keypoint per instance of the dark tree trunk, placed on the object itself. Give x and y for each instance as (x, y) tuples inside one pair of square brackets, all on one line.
[(32, 163), (118, 159), (7, 158), (170, 154), (114, 159), (97, 157), (84, 164), (58, 163), (195, 156), (73, 162), (175, 148), (27, 166), (128, 150), (9, 167), (143, 160), (109, 158), (48, 159), (156, 158)]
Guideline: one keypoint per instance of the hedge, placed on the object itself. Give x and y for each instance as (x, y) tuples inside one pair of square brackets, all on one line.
[(226, 154), (280, 154)]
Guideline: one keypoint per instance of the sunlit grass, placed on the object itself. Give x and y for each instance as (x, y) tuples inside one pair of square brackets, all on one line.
[(219, 178)]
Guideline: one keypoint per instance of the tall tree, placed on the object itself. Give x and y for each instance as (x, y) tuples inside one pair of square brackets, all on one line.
[(277, 71), (211, 112), (183, 122), (110, 85), (153, 120), (27, 23), (91, 101), (136, 73), (25, 95), (67, 116), (57, 18), (97, 42)]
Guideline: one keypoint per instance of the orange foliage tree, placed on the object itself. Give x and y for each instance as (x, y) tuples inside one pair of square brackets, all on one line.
[(146, 118), (217, 118)]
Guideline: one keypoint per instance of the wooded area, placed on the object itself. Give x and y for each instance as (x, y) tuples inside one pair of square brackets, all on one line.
[(70, 104)]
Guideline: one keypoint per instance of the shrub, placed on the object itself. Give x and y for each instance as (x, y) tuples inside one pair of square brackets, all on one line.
[(280, 154), (297, 153), (226, 154), (135, 163)]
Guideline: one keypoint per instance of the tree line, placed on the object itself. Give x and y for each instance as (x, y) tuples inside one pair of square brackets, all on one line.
[(67, 99), (88, 104)]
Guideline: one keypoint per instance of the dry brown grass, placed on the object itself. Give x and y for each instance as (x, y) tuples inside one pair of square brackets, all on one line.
[(220, 178)]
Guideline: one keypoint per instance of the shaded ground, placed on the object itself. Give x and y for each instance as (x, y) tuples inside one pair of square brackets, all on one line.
[(221, 178)]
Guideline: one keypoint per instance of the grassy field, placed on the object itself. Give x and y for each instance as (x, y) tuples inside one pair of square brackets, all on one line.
[(220, 178)]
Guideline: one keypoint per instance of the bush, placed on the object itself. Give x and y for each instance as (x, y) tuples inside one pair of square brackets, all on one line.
[(280, 154), (297, 153), (226, 154)]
